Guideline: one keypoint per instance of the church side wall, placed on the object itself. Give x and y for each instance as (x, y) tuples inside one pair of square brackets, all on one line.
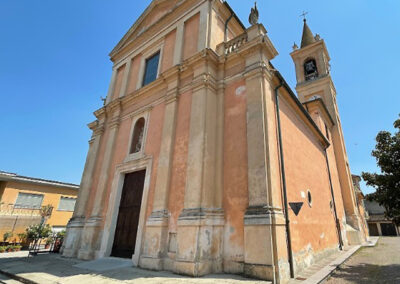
[(316, 116), (313, 230), (235, 198)]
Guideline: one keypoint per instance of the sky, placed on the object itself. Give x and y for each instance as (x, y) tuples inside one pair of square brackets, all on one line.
[(54, 67)]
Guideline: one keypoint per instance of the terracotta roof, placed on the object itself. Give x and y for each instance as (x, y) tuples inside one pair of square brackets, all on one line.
[(6, 176)]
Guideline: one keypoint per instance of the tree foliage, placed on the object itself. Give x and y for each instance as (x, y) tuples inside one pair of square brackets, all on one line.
[(387, 183)]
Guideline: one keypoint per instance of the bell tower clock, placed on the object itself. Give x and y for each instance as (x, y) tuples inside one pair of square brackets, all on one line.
[(314, 81)]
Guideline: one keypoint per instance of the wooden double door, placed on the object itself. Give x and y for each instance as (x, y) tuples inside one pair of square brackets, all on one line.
[(128, 215)]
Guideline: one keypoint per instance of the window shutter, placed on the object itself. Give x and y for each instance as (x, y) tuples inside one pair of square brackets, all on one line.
[(67, 204)]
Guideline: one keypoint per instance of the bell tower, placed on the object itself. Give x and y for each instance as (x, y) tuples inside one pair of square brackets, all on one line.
[(314, 81)]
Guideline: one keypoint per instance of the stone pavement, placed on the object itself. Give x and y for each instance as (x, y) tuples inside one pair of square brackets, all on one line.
[(379, 264), (52, 268)]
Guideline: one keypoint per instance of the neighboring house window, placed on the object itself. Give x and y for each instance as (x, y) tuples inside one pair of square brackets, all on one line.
[(151, 69), (137, 138), (29, 201), (66, 204)]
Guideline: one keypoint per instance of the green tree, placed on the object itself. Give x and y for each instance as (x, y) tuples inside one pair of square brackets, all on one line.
[(387, 183)]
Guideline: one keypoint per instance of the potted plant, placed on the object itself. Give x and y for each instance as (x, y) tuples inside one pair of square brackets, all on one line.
[(49, 241), (10, 248), (7, 236), (2, 249), (59, 241), (23, 240), (17, 248)]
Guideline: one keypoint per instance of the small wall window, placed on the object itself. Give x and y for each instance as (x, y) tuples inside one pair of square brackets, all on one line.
[(66, 204), (29, 201), (151, 69), (310, 69), (137, 139)]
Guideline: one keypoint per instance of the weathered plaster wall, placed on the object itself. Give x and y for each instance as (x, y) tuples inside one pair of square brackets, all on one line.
[(168, 53), (152, 148), (321, 122), (313, 230), (179, 163), (190, 37), (120, 153), (235, 198)]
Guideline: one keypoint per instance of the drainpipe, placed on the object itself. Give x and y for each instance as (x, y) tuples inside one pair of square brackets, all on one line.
[(334, 203), (287, 221), (226, 27)]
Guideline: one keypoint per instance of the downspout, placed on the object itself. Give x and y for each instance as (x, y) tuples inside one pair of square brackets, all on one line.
[(226, 27), (334, 203), (287, 221)]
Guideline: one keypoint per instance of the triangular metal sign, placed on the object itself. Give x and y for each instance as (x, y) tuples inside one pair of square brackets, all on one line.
[(296, 206)]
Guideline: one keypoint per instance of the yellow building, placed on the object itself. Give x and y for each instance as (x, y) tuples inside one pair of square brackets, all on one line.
[(22, 197)]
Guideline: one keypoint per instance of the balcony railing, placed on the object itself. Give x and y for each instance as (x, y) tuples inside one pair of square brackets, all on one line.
[(12, 210), (235, 43)]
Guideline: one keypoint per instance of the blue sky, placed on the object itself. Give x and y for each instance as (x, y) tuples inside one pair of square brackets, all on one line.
[(55, 66)]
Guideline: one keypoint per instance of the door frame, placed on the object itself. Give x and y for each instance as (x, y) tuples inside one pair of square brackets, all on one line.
[(114, 202)]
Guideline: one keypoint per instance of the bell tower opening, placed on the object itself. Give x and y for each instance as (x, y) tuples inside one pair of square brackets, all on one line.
[(310, 69)]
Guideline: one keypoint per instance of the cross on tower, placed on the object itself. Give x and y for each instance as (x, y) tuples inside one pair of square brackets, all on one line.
[(304, 15)]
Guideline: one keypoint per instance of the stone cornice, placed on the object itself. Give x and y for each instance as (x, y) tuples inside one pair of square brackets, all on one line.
[(310, 48), (205, 56), (172, 95), (171, 74), (258, 69), (320, 82), (204, 80), (100, 113), (114, 106), (93, 125), (115, 123), (319, 104)]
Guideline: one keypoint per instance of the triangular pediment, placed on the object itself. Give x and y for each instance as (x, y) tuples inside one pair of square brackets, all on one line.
[(154, 12)]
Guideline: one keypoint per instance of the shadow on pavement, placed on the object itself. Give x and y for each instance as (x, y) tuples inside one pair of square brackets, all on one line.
[(368, 273)]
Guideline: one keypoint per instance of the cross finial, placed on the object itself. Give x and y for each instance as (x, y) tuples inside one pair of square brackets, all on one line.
[(304, 15)]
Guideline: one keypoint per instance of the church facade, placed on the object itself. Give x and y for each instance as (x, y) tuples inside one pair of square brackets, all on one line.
[(203, 160)]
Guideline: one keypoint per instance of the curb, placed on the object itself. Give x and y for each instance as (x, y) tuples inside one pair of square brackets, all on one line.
[(18, 278)]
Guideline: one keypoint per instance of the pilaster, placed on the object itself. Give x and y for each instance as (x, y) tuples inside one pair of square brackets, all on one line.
[(200, 225), (204, 35), (76, 223), (265, 252), (93, 227), (179, 43), (111, 86), (125, 80), (157, 224)]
